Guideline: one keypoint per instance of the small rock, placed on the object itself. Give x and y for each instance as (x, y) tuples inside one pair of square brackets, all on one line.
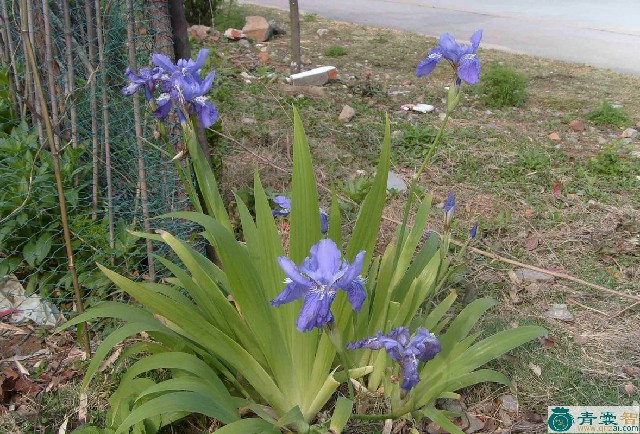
[(555, 137), (246, 75), (395, 182), (263, 56), (315, 77), (629, 133), (407, 83), (577, 125), (488, 112), (475, 424), (199, 33), (248, 121), (452, 405), (257, 28), (234, 34), (559, 311), (346, 114), (629, 389), (441, 116), (322, 32), (306, 60), (602, 141), (509, 403), (504, 418), (532, 275), (244, 43), (638, 124)]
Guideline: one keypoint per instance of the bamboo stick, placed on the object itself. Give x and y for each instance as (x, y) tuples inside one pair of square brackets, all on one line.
[(70, 83), (51, 79), (144, 199), (105, 126), (14, 82), (56, 169), (93, 105), (36, 103)]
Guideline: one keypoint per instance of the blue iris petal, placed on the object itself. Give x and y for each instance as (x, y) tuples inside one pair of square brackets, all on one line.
[(405, 350), (318, 280)]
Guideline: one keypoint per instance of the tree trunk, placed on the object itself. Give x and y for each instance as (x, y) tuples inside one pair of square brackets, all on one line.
[(179, 29), (161, 25), (294, 17)]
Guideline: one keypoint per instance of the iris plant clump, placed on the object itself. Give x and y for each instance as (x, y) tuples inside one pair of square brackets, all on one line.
[(228, 350), (181, 86)]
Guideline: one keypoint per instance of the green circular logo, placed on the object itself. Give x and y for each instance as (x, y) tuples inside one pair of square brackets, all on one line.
[(560, 419)]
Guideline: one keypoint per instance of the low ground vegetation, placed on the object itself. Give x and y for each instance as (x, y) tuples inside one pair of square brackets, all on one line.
[(566, 202)]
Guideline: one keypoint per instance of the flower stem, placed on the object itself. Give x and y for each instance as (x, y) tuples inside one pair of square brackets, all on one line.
[(343, 359), (336, 340), (407, 209)]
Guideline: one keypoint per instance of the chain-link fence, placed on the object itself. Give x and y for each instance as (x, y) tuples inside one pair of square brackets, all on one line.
[(114, 178)]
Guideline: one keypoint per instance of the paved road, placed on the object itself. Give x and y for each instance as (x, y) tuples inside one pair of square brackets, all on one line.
[(603, 33)]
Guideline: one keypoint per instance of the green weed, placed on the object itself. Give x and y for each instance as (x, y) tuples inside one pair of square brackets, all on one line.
[(607, 114), (335, 51), (310, 18), (502, 86)]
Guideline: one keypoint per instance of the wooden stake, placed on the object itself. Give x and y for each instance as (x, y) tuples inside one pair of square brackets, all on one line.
[(56, 169), (294, 18)]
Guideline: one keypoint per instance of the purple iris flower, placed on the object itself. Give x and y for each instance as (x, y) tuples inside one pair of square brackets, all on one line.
[(147, 78), (324, 221), (187, 67), (285, 206), (449, 208), (318, 280), (473, 232), (285, 209), (189, 95), (462, 58), (405, 350)]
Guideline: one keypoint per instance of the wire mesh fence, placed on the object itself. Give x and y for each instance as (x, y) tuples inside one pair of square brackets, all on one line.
[(115, 178)]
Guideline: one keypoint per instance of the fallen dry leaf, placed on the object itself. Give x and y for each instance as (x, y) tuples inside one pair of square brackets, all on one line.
[(109, 361), (532, 243), (547, 342), (21, 368), (580, 339), (82, 408), (63, 427), (536, 369), (631, 371)]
